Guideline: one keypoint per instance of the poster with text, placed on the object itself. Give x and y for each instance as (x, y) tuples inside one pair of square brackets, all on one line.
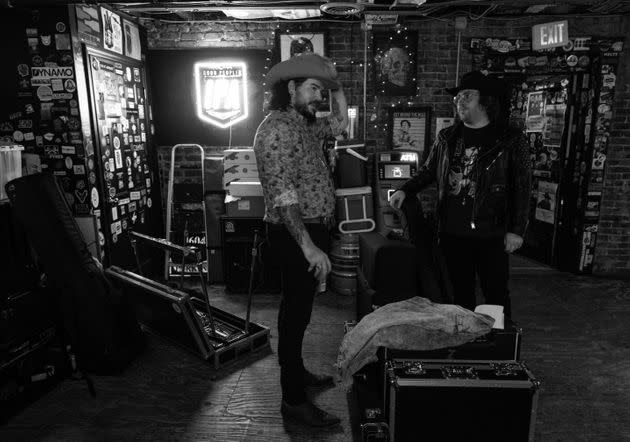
[(546, 202), (408, 128), (534, 116), (132, 39), (88, 25), (112, 31)]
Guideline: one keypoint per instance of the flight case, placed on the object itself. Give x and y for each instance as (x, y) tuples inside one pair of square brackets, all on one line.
[(460, 400)]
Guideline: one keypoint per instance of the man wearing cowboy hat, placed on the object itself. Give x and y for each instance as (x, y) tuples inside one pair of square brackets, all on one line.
[(299, 206), (482, 169)]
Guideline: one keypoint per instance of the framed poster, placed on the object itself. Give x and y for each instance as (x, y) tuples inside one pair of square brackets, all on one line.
[(395, 61), (409, 128), (112, 31), (132, 39), (88, 24), (294, 44), (535, 112), (546, 202)]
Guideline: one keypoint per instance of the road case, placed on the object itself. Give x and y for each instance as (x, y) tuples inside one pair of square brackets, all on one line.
[(460, 400)]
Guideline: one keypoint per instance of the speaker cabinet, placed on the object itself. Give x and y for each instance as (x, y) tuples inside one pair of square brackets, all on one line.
[(237, 240)]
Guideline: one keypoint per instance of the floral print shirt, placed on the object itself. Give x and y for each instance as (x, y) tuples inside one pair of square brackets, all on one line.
[(291, 165)]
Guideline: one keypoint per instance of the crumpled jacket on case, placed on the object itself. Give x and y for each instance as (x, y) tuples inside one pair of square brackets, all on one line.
[(413, 324)]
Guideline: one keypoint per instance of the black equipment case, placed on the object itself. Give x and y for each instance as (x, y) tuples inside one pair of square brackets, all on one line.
[(98, 321), (370, 386), (460, 400), (498, 345), (183, 319)]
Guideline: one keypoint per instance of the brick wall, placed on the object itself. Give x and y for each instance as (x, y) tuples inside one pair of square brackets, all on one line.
[(437, 67)]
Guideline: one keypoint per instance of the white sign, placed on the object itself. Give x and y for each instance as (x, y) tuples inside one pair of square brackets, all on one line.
[(221, 92), (41, 73), (381, 19), (550, 35)]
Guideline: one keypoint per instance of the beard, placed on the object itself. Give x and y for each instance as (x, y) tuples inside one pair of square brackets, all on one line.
[(305, 111)]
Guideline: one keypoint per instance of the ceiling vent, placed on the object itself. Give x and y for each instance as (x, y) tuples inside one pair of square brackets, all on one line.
[(344, 10)]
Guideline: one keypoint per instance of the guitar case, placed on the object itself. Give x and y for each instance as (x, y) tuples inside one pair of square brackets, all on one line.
[(98, 320)]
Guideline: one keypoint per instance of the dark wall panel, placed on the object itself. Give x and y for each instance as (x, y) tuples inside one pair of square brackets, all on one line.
[(174, 106)]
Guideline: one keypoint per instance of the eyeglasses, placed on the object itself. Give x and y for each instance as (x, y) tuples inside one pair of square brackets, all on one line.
[(465, 95)]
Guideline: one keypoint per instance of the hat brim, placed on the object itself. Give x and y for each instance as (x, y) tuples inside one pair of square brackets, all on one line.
[(328, 84), (488, 92), (305, 66), (453, 90)]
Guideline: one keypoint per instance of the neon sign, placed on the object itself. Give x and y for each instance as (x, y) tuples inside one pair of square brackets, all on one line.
[(221, 92)]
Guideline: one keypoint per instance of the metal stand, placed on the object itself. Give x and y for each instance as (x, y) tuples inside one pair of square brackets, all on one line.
[(252, 269), (186, 252), (169, 201)]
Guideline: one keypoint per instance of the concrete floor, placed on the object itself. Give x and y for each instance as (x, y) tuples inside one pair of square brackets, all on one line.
[(576, 340)]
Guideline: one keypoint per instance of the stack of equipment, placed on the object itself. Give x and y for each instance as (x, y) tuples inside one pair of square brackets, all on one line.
[(344, 258), (245, 250), (214, 197), (354, 198), (497, 393), (244, 244), (242, 184), (354, 214)]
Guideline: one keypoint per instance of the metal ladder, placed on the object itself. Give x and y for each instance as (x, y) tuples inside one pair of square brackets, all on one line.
[(169, 205)]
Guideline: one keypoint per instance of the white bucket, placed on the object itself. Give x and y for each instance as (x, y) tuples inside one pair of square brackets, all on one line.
[(10, 165)]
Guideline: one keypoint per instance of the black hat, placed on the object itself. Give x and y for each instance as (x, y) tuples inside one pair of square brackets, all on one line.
[(485, 84)]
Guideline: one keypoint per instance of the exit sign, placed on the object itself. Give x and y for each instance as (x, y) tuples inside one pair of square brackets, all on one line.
[(550, 35)]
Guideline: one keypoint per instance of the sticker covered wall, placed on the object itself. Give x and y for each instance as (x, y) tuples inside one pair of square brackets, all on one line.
[(119, 98), (39, 108)]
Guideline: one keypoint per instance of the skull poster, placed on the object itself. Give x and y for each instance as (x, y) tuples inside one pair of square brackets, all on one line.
[(395, 61)]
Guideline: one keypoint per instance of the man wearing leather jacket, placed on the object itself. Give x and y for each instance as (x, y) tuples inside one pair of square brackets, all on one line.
[(482, 169)]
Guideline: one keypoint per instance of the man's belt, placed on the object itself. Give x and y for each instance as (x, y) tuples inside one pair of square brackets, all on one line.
[(324, 220), (327, 221)]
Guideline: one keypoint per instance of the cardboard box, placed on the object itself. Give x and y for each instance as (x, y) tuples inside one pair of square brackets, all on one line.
[(238, 157), (245, 188), (240, 172), (247, 206)]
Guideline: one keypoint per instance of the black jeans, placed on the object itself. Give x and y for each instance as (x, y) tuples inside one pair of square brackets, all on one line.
[(298, 291), (468, 258)]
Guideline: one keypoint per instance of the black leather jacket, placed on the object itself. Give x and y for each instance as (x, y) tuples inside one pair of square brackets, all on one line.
[(502, 197)]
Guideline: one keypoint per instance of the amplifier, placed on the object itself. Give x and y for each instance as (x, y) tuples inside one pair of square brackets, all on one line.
[(237, 240)]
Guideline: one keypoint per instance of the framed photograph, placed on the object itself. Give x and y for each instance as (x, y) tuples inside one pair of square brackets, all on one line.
[(409, 128), (292, 44), (395, 63)]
